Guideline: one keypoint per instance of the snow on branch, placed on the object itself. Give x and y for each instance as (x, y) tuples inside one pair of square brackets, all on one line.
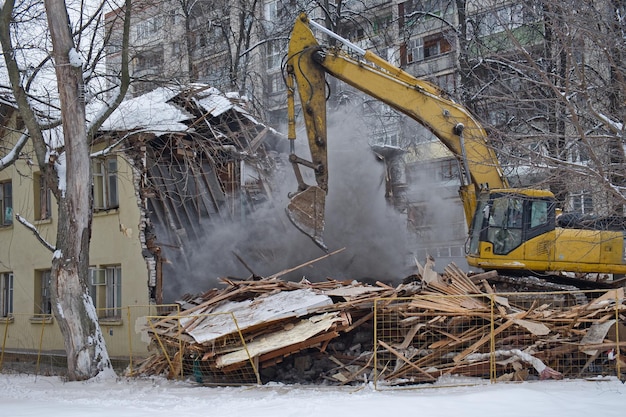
[(612, 125), (76, 60), (14, 153), (110, 148), (33, 229)]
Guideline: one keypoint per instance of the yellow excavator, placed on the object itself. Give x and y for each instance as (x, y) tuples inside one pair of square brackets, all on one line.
[(510, 229)]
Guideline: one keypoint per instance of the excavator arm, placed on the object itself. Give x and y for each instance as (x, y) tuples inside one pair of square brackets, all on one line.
[(308, 62), (509, 229)]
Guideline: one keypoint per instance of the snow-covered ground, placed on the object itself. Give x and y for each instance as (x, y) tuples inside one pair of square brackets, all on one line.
[(28, 395)]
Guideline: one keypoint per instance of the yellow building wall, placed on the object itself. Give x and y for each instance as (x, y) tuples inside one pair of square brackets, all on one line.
[(115, 241)]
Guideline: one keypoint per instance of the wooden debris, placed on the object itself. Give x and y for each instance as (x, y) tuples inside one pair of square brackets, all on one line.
[(266, 329)]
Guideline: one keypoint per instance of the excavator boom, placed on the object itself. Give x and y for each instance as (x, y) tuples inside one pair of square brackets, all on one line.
[(508, 229), (307, 65)]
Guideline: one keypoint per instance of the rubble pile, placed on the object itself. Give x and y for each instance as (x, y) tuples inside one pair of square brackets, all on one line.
[(344, 332)]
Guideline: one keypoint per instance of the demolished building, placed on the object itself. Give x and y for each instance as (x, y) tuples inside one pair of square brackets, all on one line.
[(200, 158)]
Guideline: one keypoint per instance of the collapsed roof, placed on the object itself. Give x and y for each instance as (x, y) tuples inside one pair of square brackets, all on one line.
[(202, 159)]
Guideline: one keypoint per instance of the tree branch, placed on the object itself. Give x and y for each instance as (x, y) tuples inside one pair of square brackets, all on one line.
[(36, 233)]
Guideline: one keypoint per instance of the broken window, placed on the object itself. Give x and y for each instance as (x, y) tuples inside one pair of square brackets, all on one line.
[(435, 45)]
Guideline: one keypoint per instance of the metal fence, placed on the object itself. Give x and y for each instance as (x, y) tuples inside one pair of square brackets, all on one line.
[(417, 341), (498, 337), (180, 359), (33, 342)]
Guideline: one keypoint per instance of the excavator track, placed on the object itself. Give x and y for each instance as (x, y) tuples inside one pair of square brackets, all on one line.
[(526, 289)]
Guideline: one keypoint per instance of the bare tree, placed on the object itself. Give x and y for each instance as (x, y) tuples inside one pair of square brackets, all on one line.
[(66, 167), (548, 79)]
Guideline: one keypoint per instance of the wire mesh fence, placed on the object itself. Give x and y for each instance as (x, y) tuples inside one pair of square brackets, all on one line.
[(217, 354), (417, 341), (498, 337)]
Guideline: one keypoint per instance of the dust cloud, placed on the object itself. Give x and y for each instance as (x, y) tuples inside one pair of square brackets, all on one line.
[(358, 218)]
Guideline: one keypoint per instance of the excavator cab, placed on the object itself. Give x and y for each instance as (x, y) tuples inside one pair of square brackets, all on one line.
[(505, 219)]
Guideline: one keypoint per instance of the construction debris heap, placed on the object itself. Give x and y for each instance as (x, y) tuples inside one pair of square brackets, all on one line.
[(432, 326)]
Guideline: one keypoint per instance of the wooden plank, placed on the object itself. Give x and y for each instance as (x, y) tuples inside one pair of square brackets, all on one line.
[(458, 358), (405, 360)]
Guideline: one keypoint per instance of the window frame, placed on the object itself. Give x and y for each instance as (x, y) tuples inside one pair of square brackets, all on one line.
[(415, 46), (271, 10), (105, 289), (273, 55), (582, 202), (6, 294), (43, 297), (6, 203), (105, 184)]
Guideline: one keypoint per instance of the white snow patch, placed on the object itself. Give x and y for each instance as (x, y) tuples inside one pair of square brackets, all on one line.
[(76, 60), (61, 169), (12, 153), (34, 396), (60, 310), (149, 112)]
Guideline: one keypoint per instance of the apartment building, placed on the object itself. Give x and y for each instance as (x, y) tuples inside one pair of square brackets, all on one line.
[(117, 267)]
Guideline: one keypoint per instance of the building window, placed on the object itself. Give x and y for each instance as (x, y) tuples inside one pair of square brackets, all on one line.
[(276, 83), (578, 153), (435, 45), (413, 11), (6, 294), (582, 202), (6, 203), (273, 55), (105, 288), (448, 170), (43, 198), (43, 301), (381, 23), (174, 17), (149, 59), (105, 194), (271, 11), (502, 19), (415, 50), (177, 48), (148, 28)]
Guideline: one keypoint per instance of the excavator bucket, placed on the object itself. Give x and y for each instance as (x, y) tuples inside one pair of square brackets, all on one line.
[(306, 212)]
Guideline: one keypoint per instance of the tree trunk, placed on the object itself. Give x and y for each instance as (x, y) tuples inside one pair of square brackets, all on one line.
[(72, 306)]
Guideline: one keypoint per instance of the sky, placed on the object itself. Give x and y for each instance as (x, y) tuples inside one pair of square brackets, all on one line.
[(29, 395)]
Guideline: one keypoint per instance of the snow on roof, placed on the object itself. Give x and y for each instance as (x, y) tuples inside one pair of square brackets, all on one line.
[(153, 111), (217, 103), (150, 112)]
